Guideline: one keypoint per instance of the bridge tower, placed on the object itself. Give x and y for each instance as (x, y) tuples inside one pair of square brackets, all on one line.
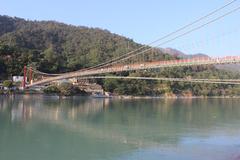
[(30, 75), (24, 77)]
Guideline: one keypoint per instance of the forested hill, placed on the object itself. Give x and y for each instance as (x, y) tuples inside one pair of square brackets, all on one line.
[(55, 47)]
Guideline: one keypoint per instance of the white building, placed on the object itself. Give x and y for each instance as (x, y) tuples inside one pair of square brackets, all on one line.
[(18, 78)]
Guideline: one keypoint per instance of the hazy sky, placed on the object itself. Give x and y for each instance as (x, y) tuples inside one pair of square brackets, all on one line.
[(141, 20)]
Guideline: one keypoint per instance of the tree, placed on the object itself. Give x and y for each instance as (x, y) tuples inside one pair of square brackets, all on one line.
[(2, 68), (8, 84), (110, 84), (67, 89), (51, 90)]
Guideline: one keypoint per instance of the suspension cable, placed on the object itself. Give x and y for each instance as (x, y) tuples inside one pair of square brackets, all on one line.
[(164, 37), (179, 36)]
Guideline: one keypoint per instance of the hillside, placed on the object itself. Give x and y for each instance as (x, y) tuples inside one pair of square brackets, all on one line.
[(55, 47), (77, 46)]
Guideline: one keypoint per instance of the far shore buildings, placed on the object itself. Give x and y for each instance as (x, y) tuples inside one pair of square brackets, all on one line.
[(18, 78)]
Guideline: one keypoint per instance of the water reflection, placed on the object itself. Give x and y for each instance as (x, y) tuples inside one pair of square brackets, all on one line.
[(130, 125)]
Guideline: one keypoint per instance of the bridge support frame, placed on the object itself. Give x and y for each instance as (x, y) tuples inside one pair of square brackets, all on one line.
[(30, 75), (24, 77)]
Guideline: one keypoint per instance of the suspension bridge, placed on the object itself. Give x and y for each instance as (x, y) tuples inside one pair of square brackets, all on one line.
[(119, 64), (92, 73)]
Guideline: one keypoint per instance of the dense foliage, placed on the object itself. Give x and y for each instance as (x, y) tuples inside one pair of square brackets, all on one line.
[(156, 88), (64, 89), (7, 84), (56, 47)]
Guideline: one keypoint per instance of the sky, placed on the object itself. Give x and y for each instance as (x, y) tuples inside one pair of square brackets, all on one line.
[(141, 20)]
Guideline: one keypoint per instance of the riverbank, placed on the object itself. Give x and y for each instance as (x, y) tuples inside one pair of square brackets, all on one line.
[(122, 96), (177, 97)]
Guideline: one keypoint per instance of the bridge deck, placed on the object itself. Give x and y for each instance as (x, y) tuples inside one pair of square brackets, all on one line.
[(142, 66)]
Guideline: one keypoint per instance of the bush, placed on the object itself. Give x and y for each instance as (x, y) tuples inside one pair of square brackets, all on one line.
[(65, 89), (8, 84), (51, 90)]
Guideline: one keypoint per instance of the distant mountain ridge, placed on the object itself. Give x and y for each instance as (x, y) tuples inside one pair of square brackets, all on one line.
[(180, 54)]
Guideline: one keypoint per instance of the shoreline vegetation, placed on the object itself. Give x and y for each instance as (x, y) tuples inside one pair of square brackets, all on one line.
[(68, 90)]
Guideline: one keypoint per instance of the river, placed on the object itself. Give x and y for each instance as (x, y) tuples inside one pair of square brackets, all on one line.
[(83, 128)]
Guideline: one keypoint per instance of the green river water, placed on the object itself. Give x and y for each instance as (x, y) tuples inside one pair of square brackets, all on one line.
[(80, 128)]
